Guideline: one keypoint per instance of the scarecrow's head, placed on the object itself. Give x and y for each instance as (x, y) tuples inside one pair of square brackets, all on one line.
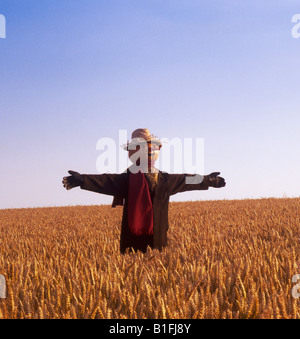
[(143, 148)]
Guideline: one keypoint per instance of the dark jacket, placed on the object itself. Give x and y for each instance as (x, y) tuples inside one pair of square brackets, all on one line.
[(167, 185)]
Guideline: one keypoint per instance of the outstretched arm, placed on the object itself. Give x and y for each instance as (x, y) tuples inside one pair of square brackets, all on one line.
[(188, 182), (110, 184)]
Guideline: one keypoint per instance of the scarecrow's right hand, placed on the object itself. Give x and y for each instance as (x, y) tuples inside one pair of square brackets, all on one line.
[(74, 180)]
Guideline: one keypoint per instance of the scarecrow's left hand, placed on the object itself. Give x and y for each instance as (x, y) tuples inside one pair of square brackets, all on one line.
[(215, 180)]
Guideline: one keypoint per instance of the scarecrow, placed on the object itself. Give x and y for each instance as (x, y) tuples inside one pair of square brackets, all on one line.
[(144, 191)]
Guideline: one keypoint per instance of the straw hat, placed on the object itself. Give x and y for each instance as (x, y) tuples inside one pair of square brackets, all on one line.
[(139, 136)]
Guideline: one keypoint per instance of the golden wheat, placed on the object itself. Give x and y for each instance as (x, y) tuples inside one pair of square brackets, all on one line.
[(225, 259)]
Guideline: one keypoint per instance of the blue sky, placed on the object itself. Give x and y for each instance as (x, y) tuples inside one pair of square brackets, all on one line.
[(72, 72)]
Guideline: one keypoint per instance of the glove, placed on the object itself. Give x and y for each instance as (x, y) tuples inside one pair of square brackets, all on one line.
[(215, 180), (72, 181)]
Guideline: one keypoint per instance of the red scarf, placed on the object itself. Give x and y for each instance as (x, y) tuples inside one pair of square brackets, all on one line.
[(140, 210)]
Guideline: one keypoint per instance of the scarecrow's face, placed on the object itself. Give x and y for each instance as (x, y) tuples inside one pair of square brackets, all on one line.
[(147, 151)]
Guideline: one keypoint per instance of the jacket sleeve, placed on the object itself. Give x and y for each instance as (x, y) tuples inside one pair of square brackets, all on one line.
[(110, 184), (187, 182)]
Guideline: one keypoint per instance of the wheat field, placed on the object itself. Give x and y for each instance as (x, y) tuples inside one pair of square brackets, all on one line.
[(225, 259)]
